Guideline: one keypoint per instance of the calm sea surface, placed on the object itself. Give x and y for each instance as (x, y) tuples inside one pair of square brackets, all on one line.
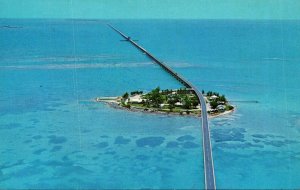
[(53, 135)]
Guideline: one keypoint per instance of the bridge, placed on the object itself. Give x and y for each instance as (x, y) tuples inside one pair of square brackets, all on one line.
[(209, 175)]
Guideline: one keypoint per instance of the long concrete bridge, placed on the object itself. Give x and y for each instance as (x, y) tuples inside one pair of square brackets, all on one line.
[(207, 149)]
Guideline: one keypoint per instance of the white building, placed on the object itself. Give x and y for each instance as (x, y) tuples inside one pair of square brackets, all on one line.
[(178, 104), (136, 99), (213, 97)]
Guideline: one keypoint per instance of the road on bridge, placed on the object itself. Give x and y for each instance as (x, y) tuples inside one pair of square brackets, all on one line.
[(210, 182)]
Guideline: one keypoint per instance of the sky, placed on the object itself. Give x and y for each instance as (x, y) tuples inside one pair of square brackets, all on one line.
[(151, 9)]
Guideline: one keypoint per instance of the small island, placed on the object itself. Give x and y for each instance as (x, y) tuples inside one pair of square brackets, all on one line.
[(175, 101)]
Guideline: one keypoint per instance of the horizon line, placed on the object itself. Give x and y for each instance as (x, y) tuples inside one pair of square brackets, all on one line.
[(107, 19)]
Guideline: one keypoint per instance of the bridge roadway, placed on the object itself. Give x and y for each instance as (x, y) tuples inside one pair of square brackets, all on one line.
[(207, 149)]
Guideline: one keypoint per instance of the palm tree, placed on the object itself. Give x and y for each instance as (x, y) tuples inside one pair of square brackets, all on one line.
[(171, 105), (125, 96), (187, 103)]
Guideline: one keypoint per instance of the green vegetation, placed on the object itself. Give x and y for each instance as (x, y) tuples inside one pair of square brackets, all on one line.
[(181, 101), (136, 92), (187, 102), (213, 104), (229, 107), (125, 96), (154, 98), (210, 93)]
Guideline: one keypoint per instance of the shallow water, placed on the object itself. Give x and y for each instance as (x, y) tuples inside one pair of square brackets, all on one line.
[(53, 135)]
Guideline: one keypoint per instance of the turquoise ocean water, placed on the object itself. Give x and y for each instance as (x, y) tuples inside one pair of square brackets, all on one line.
[(53, 135)]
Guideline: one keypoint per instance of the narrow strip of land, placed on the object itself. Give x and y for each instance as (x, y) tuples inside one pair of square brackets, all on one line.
[(207, 149)]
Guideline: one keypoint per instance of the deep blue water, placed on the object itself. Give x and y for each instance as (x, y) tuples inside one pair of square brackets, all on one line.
[(53, 135)]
